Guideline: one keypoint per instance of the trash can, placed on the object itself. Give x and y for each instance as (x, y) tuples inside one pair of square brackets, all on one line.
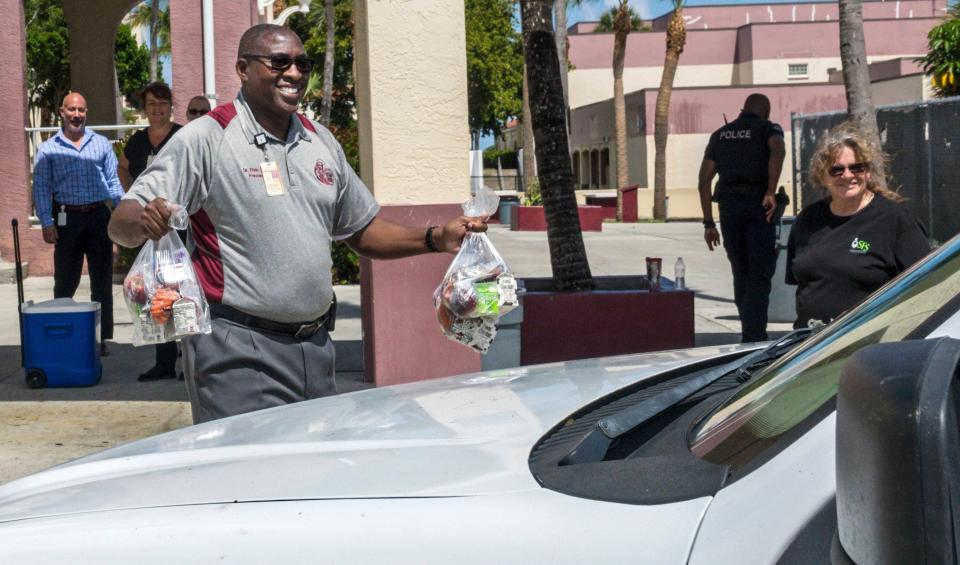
[(506, 203), (60, 346), (783, 296)]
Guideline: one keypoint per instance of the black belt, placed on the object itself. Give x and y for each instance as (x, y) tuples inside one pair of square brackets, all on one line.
[(298, 330)]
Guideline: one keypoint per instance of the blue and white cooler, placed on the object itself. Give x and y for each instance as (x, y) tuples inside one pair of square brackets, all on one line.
[(61, 343)]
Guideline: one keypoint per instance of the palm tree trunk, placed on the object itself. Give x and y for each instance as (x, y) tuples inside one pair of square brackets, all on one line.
[(676, 37), (568, 256), (154, 30), (328, 61), (529, 157), (856, 77), (622, 27), (560, 17)]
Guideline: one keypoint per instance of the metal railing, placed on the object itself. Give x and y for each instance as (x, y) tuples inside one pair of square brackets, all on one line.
[(498, 182)]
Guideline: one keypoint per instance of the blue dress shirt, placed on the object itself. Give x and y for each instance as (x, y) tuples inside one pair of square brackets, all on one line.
[(74, 176)]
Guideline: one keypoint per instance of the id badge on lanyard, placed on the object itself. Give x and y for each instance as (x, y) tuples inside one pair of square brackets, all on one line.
[(272, 179)]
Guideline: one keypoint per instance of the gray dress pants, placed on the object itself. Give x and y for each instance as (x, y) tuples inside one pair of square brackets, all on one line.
[(236, 369)]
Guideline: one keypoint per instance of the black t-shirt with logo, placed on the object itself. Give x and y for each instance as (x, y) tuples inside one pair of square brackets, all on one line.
[(742, 156), (837, 261)]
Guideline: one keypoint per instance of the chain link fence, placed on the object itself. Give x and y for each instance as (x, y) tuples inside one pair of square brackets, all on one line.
[(922, 140)]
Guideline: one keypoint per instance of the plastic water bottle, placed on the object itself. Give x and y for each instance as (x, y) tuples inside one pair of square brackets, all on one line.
[(679, 274)]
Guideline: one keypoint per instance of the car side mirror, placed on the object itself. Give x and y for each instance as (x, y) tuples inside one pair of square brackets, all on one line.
[(898, 454)]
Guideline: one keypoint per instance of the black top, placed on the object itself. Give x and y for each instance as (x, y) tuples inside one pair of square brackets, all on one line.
[(139, 150), (742, 156), (837, 261)]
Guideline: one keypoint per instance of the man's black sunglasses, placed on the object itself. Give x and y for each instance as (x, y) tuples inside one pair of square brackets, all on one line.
[(281, 63), (197, 111)]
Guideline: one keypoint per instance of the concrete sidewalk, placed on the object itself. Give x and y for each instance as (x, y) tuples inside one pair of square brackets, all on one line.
[(49, 426)]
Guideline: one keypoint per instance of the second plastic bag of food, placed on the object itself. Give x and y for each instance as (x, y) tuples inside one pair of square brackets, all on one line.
[(478, 288), (161, 290)]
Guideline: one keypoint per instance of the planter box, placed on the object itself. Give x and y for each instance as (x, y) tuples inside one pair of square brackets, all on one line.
[(532, 218), (608, 204), (621, 316)]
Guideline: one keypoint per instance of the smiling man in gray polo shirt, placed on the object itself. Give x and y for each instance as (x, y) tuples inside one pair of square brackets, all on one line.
[(267, 190)]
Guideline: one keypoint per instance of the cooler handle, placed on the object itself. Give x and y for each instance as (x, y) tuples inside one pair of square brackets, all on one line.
[(57, 331)]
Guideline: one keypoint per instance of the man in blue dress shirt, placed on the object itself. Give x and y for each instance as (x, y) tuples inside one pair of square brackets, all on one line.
[(75, 187)]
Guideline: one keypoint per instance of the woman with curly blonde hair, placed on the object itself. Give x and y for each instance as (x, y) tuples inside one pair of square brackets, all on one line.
[(850, 243)]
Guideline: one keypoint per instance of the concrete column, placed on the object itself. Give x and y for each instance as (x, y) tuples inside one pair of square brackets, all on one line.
[(93, 29), (14, 164), (411, 81)]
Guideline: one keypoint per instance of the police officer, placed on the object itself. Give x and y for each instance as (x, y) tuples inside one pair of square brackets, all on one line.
[(748, 154)]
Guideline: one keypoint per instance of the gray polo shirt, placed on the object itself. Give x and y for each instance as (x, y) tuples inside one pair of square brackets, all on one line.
[(268, 256)]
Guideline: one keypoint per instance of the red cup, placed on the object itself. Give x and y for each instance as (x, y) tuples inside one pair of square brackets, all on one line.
[(654, 268)]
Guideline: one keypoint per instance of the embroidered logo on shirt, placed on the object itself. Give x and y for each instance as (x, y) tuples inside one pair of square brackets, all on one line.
[(324, 173), (252, 172), (859, 246)]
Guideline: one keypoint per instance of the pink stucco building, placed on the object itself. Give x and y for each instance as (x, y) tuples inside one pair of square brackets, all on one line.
[(790, 52)]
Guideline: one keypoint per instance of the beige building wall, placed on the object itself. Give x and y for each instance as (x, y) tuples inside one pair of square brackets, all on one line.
[(411, 70), (588, 86), (901, 90), (684, 154), (774, 71)]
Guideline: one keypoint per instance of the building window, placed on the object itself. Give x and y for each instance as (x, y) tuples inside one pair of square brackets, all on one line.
[(797, 70)]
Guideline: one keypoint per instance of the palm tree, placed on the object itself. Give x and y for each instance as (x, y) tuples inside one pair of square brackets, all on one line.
[(526, 122), (676, 39), (856, 77), (942, 61), (621, 20), (149, 14), (560, 18), (568, 257), (330, 19)]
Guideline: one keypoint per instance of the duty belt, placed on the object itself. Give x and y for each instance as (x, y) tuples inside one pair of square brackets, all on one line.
[(297, 330)]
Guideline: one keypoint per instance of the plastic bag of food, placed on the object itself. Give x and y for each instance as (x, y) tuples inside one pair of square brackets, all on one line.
[(161, 290), (478, 288)]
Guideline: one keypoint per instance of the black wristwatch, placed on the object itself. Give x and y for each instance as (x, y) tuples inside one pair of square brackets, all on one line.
[(709, 225)]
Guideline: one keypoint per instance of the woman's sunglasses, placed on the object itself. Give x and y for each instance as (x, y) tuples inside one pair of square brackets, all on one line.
[(280, 63), (854, 168)]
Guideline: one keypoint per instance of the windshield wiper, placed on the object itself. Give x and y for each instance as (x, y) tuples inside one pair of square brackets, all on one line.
[(773, 351), (594, 445)]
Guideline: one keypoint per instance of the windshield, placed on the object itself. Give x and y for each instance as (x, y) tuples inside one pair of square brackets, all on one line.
[(804, 380)]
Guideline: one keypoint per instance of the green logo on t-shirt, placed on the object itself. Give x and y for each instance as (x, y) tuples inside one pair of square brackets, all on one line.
[(859, 245)]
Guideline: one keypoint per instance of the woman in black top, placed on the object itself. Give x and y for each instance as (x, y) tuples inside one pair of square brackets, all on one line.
[(156, 99), (849, 244)]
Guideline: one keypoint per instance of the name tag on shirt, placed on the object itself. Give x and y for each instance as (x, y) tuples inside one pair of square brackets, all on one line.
[(62, 217), (272, 179)]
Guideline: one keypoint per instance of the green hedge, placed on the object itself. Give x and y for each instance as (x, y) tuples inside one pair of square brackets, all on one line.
[(508, 158)]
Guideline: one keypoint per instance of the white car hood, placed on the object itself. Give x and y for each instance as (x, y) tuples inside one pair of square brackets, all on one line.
[(459, 436)]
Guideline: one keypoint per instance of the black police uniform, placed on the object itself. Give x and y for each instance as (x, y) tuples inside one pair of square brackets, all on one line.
[(742, 158)]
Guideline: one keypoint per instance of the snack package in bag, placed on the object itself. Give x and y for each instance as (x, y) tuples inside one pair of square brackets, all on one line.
[(478, 288), (161, 290)]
